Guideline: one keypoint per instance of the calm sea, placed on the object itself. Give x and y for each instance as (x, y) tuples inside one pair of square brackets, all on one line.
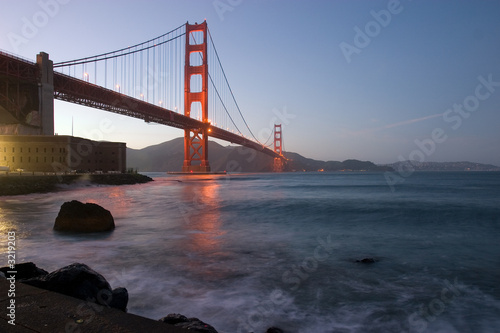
[(246, 252)]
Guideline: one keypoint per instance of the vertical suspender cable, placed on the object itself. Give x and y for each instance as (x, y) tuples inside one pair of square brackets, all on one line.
[(142, 75), (154, 69), (105, 73), (146, 76)]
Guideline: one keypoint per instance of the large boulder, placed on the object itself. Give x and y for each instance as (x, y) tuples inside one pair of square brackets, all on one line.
[(192, 324), (79, 217), (80, 281)]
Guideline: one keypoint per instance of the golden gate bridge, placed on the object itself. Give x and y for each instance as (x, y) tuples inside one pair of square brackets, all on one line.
[(175, 79)]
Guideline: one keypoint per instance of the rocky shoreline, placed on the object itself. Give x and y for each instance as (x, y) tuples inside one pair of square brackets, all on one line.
[(16, 184), (82, 282)]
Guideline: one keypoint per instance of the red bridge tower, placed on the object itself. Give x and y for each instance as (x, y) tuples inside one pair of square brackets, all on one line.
[(278, 148), (196, 139)]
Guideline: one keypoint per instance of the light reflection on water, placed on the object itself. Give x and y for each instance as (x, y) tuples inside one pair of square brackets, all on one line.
[(214, 247)]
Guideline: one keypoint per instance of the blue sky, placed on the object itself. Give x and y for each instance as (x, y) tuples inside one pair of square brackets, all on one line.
[(379, 94)]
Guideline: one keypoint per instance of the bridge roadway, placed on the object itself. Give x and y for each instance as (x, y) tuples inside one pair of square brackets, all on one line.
[(70, 89)]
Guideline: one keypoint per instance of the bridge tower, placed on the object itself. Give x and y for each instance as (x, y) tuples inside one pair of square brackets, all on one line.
[(46, 92), (26, 96), (278, 146), (196, 139)]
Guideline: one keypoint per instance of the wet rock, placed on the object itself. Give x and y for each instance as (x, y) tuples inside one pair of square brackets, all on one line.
[(367, 261), (25, 270), (192, 324), (80, 281), (119, 299), (174, 318), (79, 217)]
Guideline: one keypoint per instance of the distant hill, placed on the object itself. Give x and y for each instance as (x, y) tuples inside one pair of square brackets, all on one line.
[(445, 166), (169, 156), (300, 163)]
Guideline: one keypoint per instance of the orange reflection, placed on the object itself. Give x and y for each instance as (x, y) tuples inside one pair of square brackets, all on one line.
[(117, 202), (5, 224), (203, 225)]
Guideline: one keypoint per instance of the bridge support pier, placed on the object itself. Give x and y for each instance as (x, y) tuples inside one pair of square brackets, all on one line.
[(46, 92), (196, 149), (278, 165)]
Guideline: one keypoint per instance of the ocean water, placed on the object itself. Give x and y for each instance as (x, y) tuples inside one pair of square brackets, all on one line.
[(249, 251)]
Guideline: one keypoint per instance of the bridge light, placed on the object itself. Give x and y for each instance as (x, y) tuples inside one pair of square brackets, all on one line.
[(86, 76), (118, 87)]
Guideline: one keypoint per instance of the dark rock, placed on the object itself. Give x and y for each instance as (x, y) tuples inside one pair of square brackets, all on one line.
[(25, 270), (274, 330), (80, 281), (367, 261), (79, 217), (119, 299), (174, 318), (119, 179), (192, 324)]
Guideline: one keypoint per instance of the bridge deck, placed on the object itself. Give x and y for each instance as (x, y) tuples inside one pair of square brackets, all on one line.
[(80, 92), (77, 91)]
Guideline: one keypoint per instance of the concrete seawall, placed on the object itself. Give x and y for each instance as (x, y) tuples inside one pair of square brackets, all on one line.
[(15, 184)]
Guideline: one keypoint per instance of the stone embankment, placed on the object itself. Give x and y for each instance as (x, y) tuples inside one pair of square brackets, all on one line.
[(16, 184)]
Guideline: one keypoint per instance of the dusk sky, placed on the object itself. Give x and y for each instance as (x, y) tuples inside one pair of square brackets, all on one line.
[(370, 80)]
